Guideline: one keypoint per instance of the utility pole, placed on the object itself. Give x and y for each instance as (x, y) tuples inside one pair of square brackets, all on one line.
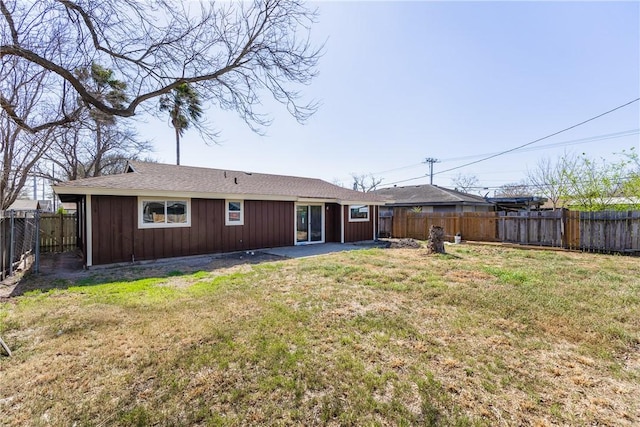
[(431, 161)]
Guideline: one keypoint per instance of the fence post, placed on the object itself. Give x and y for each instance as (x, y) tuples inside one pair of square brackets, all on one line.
[(61, 235), (564, 242), (12, 215), (37, 243)]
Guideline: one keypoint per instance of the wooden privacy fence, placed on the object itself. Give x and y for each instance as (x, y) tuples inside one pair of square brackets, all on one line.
[(558, 228), (608, 231), (58, 232), (480, 226)]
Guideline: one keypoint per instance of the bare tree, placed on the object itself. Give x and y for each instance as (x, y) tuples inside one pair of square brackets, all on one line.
[(20, 150), (76, 154), (365, 182), (515, 189), (98, 143), (465, 183), (547, 179), (231, 52)]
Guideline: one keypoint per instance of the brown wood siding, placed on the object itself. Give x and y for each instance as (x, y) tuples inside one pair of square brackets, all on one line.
[(111, 241), (332, 223), (117, 238), (267, 224), (360, 230)]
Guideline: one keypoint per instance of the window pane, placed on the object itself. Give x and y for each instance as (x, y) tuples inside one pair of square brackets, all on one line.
[(316, 223), (152, 212), (359, 212), (234, 213), (176, 212), (302, 226)]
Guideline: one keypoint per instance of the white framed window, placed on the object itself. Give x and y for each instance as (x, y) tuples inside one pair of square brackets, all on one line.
[(164, 213), (234, 212), (358, 213)]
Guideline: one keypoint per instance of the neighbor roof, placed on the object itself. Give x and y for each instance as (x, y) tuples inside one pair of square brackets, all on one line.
[(155, 179), (24, 205), (417, 195)]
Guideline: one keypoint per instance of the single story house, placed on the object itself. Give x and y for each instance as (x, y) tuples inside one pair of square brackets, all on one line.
[(427, 199), (431, 198), (154, 211)]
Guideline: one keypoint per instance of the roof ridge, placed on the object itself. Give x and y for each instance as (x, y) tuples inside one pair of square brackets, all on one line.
[(203, 168)]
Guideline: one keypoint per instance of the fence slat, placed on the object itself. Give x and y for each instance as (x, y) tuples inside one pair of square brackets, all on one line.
[(607, 231), (57, 232)]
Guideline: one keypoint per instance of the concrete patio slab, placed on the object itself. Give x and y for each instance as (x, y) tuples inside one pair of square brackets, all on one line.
[(303, 251)]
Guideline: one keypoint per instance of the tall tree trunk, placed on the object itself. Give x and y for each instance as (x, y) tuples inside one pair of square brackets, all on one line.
[(177, 146), (97, 168)]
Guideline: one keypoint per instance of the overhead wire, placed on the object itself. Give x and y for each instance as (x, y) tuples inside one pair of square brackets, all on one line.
[(614, 135), (523, 145), (539, 139)]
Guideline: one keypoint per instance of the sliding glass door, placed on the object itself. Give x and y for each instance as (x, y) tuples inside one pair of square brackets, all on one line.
[(309, 223)]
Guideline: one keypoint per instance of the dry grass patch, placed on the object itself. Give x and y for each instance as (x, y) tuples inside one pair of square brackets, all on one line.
[(482, 336)]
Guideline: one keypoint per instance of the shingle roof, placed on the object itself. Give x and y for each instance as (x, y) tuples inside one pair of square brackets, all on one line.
[(148, 178), (24, 205), (415, 195)]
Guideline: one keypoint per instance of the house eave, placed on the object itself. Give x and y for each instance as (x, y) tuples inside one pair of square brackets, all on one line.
[(65, 192)]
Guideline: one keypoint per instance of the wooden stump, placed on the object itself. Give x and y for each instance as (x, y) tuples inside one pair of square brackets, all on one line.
[(435, 243)]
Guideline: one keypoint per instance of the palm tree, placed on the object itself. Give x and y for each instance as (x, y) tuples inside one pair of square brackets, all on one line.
[(183, 105)]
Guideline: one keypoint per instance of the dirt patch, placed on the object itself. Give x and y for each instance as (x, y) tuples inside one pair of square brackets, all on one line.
[(403, 243)]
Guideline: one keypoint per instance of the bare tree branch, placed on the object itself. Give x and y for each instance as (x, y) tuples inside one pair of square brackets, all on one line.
[(365, 182), (234, 52), (465, 183)]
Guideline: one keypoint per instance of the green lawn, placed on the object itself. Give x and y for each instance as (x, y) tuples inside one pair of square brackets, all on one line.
[(481, 336)]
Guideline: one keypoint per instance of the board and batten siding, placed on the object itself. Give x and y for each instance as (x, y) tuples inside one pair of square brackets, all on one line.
[(117, 238), (332, 223), (358, 231)]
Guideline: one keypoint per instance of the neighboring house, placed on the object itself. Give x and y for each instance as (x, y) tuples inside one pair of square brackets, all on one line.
[(23, 208), (154, 211), (425, 198), (22, 205), (431, 198)]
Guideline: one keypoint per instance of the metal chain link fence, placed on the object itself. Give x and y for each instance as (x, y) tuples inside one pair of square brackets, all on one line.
[(19, 242)]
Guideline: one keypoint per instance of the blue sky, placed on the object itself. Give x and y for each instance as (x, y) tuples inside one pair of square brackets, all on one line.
[(403, 81)]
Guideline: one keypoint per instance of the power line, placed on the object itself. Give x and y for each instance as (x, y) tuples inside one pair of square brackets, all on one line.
[(614, 135), (541, 139), (397, 169), (523, 145)]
